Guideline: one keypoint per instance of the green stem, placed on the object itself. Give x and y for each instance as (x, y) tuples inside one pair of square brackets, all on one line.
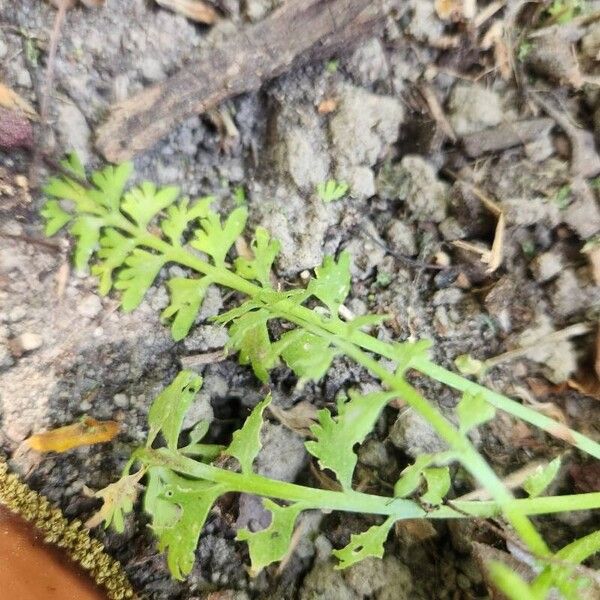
[(328, 500)]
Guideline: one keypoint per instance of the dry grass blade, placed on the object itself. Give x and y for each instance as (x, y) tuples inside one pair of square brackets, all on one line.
[(299, 418), (196, 10), (11, 100)]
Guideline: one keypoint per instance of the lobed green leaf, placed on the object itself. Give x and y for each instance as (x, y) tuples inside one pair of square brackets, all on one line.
[(245, 444), (187, 296), (473, 410), (143, 203), (140, 271), (541, 478), (308, 355), (337, 436), (56, 218), (265, 251), (332, 282)]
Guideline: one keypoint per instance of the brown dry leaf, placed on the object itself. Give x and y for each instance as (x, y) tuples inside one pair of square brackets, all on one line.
[(326, 482), (299, 418), (11, 100), (86, 432), (196, 10), (586, 477), (455, 10), (592, 250), (327, 106), (586, 383)]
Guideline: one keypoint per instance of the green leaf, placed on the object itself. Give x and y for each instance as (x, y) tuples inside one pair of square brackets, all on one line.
[(214, 238), (249, 335), (181, 215), (332, 190), (117, 501), (110, 182), (438, 484), (179, 508), (410, 478), (186, 298), (362, 545), (407, 352), (87, 230), (336, 436), (56, 218), (143, 203), (332, 282), (473, 410), (541, 478), (245, 444), (114, 249), (169, 407), (141, 269), (365, 321), (467, 365), (510, 584), (308, 355), (271, 544), (72, 163), (265, 251), (67, 189)]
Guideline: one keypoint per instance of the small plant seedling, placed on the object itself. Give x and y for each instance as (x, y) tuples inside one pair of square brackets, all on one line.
[(130, 235), (332, 190)]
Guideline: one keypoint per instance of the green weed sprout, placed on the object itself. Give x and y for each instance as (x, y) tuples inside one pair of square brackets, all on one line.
[(332, 190), (129, 236)]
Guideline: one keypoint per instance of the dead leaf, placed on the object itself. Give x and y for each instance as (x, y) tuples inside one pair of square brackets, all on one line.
[(586, 477), (196, 10), (299, 418), (115, 495), (414, 530), (455, 10), (327, 106), (494, 38), (592, 250), (86, 432), (11, 100), (587, 383)]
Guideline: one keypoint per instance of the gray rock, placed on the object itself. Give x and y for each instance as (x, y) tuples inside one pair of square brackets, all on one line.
[(366, 577), (569, 295), (360, 180), (6, 359), (326, 583), (18, 313), (473, 108), (90, 306), (366, 254), (424, 24), (583, 214), (73, 130), (590, 43), (27, 342), (364, 125), (447, 296), (451, 229), (398, 581), (546, 266), (369, 64), (282, 455), (3, 48), (401, 238), (24, 78), (121, 400), (152, 69), (414, 435), (418, 185), (373, 453), (525, 212), (206, 337)]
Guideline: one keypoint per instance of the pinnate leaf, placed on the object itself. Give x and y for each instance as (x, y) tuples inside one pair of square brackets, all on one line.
[(308, 355), (245, 444), (72, 163), (410, 478), (271, 544), (118, 499), (169, 407), (186, 298), (265, 251), (87, 230), (472, 411), (179, 508), (215, 238), (181, 215), (68, 189), (146, 201), (362, 545), (541, 478), (138, 274), (407, 352), (114, 249), (56, 218), (336, 436), (249, 335), (332, 282), (110, 183), (438, 484)]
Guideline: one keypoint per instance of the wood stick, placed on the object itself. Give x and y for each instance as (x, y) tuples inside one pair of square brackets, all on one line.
[(299, 31)]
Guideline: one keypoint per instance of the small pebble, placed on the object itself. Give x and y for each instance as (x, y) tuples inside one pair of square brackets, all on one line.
[(17, 313), (90, 306), (26, 342), (121, 400)]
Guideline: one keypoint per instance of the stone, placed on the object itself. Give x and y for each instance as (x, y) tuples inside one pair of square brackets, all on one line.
[(449, 295), (473, 108), (366, 577), (24, 78), (425, 195), (364, 125), (424, 23), (373, 453), (524, 212), (401, 238), (324, 582), (546, 266), (152, 69), (369, 63), (282, 455), (569, 295), (3, 48), (414, 435), (205, 338), (18, 313), (452, 230), (583, 213), (121, 400), (90, 306), (73, 130), (398, 582), (26, 342), (360, 180)]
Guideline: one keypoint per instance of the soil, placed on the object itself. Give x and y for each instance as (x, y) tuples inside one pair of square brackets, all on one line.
[(405, 108)]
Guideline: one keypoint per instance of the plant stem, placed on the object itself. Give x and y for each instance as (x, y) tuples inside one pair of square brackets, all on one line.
[(351, 501)]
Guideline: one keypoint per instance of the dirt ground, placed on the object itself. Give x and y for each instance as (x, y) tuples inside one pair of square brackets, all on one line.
[(400, 118)]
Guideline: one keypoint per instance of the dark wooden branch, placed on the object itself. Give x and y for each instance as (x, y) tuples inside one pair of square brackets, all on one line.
[(299, 31)]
